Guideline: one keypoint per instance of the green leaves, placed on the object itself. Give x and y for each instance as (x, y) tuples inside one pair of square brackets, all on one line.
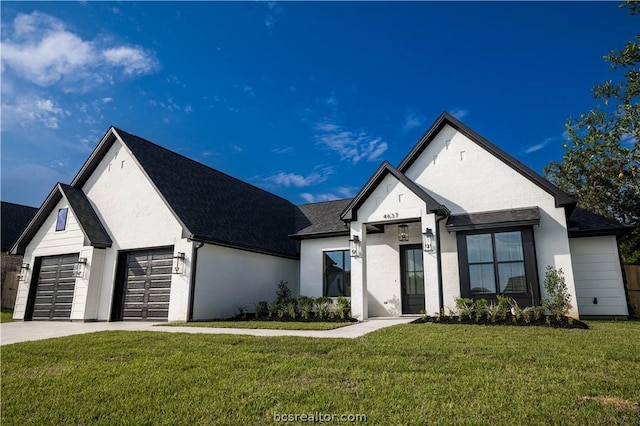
[(601, 164)]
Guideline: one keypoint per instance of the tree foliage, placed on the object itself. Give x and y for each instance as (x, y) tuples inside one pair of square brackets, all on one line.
[(601, 163)]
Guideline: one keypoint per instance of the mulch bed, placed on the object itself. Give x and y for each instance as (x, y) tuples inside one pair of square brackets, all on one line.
[(286, 318), (509, 321)]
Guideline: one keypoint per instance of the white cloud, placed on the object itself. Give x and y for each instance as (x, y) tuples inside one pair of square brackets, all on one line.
[(316, 198), (539, 146), (298, 181), (281, 151), (269, 21), (40, 49), (27, 112), (107, 100), (459, 113), (236, 148), (248, 90), (412, 121), (347, 191), (351, 146)]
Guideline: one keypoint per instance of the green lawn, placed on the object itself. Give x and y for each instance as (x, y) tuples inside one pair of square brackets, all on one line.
[(403, 375), (6, 315), (269, 325)]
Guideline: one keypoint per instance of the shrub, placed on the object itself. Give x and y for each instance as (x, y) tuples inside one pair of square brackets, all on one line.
[(305, 305), (284, 292), (481, 308), (558, 298), (492, 311), (465, 307), (273, 308), (322, 306), (290, 307), (504, 306), (343, 307), (261, 308)]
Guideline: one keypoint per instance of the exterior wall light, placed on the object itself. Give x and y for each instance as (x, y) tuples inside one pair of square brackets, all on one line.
[(427, 240), (23, 271), (354, 246), (403, 233), (178, 263), (79, 267)]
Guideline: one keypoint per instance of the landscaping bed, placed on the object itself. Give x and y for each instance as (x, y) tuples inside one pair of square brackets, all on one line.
[(544, 321)]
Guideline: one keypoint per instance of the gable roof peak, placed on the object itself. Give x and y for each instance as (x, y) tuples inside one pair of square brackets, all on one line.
[(562, 199)]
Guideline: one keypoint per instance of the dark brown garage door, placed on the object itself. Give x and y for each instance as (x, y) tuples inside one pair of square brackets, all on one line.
[(54, 288), (147, 285)]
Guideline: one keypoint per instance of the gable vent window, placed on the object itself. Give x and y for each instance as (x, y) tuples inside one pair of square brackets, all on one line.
[(61, 222)]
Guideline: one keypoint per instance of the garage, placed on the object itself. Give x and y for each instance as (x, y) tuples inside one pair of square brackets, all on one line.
[(145, 284), (54, 288), (598, 277)]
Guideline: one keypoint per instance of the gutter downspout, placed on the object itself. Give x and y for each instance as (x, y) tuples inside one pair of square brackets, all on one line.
[(439, 260), (192, 282)]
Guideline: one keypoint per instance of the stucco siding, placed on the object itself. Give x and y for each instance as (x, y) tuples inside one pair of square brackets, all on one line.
[(311, 262), (136, 217), (48, 242), (229, 280), (466, 178), (598, 276)]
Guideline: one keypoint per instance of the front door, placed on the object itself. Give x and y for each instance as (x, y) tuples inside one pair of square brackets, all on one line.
[(412, 279)]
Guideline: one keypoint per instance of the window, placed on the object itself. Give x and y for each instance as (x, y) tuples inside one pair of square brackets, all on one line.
[(498, 262), (337, 273), (61, 222)]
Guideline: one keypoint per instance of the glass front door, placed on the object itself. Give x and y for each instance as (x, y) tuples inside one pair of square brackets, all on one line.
[(412, 279)]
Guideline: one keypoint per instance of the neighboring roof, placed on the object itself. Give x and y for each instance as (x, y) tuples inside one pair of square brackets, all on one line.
[(94, 232), (350, 212), (562, 199), (583, 223), (15, 217), (213, 206), (322, 219), (494, 219)]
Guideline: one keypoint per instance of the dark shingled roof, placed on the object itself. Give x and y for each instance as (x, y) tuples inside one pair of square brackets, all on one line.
[(15, 217), (322, 219), (215, 207), (87, 217), (583, 223), (94, 232), (493, 219)]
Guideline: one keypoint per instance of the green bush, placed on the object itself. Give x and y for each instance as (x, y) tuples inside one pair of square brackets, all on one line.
[(284, 292), (305, 306), (558, 300), (261, 308)]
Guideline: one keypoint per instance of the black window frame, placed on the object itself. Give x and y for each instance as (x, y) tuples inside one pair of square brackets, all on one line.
[(346, 257), (60, 228), (530, 265)]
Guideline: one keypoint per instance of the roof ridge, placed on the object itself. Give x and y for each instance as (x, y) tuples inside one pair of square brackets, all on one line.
[(324, 202), (19, 205), (118, 130)]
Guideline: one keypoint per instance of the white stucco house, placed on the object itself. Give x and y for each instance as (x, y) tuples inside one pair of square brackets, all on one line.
[(144, 233)]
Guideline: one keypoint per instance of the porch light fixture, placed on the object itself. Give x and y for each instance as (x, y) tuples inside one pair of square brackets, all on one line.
[(79, 267), (427, 240), (354, 246), (403, 233), (178, 263), (23, 270)]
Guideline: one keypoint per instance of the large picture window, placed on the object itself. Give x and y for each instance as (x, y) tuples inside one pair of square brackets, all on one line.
[(337, 273), (498, 262)]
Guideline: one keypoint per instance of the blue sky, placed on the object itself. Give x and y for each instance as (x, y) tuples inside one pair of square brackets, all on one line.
[(302, 99)]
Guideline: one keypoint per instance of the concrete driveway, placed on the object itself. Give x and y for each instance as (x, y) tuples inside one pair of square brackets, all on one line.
[(23, 331)]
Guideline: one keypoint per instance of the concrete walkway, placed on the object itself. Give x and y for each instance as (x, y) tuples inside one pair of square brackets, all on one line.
[(23, 331)]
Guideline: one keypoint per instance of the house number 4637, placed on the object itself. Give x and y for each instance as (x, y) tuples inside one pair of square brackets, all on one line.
[(391, 215)]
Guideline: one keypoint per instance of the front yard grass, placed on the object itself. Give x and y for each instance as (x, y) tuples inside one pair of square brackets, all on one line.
[(268, 325), (6, 315), (406, 374)]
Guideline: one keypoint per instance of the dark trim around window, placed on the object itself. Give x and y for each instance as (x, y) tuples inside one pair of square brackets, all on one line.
[(336, 273), (61, 219), (530, 266)]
